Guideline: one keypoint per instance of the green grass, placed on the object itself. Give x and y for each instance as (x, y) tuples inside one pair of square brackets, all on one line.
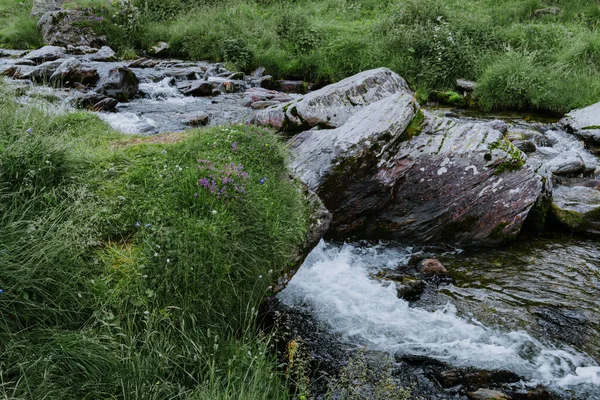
[(431, 43), (18, 29), (95, 306)]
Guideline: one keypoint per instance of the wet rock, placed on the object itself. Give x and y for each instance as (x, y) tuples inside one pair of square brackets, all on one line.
[(466, 85), (107, 104), (105, 54), (225, 85), (72, 72), (513, 136), (577, 208), (333, 105), (498, 125), (195, 119), (439, 180), (41, 7), (410, 289), (46, 53), (70, 27), (432, 267), (261, 105), (120, 83), (566, 325), (25, 62), (81, 50), (526, 146), (292, 86), (42, 73), (236, 76), (569, 163), (88, 100), (317, 153), (161, 49), (254, 95), (487, 394), (267, 82), (473, 379), (197, 88), (258, 72), (585, 123)]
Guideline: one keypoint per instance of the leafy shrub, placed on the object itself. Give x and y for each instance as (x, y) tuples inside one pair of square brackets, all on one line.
[(236, 51)]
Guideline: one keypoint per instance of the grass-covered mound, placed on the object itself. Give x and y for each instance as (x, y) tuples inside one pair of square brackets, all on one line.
[(525, 54), (132, 267)]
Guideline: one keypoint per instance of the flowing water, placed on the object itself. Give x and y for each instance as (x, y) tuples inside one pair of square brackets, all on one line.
[(489, 318)]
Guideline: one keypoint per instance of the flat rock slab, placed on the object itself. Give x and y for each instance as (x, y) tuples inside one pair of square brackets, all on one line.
[(333, 105), (577, 208), (584, 123)]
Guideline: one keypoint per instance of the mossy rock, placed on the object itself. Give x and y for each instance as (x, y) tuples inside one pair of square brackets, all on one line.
[(449, 98)]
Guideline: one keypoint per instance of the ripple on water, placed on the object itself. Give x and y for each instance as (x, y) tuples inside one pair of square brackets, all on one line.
[(335, 284)]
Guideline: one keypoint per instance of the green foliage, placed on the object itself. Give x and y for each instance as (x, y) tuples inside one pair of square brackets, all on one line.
[(18, 30), (122, 276), (236, 52)]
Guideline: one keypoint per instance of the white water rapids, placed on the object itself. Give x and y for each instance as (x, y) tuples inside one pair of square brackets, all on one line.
[(335, 284)]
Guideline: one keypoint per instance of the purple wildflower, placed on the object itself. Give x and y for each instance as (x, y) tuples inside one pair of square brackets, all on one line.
[(195, 194), (138, 224), (234, 146), (147, 225), (1, 290), (29, 130)]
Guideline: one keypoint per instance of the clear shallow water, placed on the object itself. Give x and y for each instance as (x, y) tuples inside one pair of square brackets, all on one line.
[(336, 285)]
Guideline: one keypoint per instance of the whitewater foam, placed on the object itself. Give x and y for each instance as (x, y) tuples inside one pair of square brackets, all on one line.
[(335, 284)]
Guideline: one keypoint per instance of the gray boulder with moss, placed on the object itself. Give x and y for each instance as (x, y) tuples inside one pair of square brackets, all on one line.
[(577, 208), (584, 123), (393, 172), (333, 105), (70, 27)]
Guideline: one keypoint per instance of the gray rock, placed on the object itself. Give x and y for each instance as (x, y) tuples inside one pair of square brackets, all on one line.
[(292, 86), (88, 100), (160, 49), (318, 153), (432, 267), (225, 85), (440, 180), (254, 95), (42, 73), (81, 50), (41, 7), (25, 62), (107, 104), (261, 105), (569, 163), (72, 72), (105, 54), (46, 53), (526, 146), (70, 27), (119, 83), (258, 72), (410, 289), (197, 88), (466, 85), (585, 123), (577, 208), (487, 394), (195, 119), (333, 105)]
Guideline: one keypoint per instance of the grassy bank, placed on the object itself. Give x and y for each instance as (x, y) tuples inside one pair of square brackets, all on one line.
[(526, 54), (132, 267)]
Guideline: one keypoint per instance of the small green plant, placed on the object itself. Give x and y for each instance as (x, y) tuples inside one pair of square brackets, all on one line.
[(236, 52)]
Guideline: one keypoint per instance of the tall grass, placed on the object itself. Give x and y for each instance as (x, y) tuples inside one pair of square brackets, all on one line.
[(18, 29), (122, 276)]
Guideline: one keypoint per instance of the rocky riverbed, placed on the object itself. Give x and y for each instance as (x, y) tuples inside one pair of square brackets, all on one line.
[(389, 169)]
